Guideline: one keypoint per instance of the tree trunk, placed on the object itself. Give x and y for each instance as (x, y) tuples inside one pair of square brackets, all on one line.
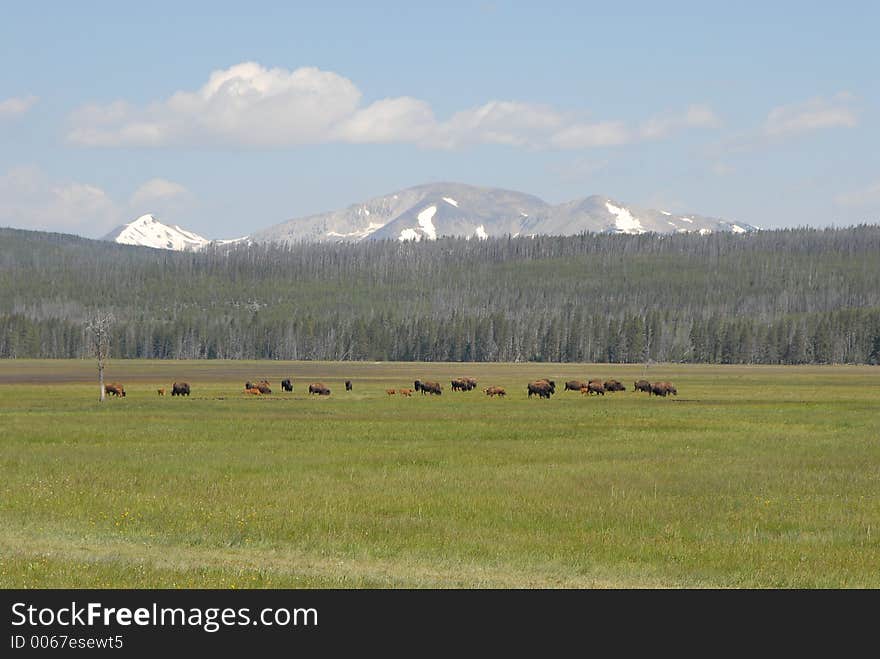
[(101, 379)]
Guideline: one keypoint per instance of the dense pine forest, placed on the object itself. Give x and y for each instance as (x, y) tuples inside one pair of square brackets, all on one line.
[(773, 297)]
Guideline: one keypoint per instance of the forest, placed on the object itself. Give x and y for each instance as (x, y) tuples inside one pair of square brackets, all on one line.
[(791, 296)]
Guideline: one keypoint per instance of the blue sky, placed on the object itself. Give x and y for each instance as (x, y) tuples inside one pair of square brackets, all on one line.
[(229, 117)]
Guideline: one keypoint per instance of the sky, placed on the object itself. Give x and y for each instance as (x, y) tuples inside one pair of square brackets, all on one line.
[(228, 117)]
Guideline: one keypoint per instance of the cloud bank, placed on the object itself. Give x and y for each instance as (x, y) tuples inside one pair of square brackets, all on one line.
[(248, 105), (16, 106)]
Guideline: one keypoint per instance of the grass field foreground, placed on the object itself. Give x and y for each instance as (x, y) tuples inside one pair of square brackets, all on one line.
[(750, 477)]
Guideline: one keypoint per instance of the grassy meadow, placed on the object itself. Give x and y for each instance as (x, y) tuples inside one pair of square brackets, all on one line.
[(751, 477)]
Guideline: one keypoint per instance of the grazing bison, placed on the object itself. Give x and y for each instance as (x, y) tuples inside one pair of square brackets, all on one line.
[(405, 392), (161, 392), (464, 384), (642, 385), (391, 392), (663, 389), (495, 391), (432, 388), (614, 385), (319, 388), (595, 387), (574, 385), (286, 385), (348, 385), (114, 389), (180, 389), (263, 386), (541, 388)]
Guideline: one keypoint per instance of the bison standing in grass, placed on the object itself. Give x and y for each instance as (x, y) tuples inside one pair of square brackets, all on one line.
[(319, 389), (574, 385), (541, 388), (594, 387), (432, 388), (614, 385), (348, 385), (180, 389), (663, 389), (114, 389), (642, 385), (491, 392), (286, 385)]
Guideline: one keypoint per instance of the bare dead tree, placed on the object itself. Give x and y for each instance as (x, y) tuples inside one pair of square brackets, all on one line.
[(98, 326)]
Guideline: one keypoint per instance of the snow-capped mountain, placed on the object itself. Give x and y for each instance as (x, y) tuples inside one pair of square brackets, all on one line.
[(435, 210), (427, 212), (147, 231)]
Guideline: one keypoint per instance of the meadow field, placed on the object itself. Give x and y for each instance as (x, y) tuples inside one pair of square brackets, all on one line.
[(753, 476)]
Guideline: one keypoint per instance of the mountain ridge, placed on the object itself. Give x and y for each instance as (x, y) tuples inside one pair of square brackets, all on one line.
[(444, 209)]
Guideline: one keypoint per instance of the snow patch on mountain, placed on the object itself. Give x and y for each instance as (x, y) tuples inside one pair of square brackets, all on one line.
[(426, 223), (625, 222), (450, 200)]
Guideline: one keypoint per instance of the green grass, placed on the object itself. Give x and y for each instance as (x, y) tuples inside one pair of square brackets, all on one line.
[(751, 477)]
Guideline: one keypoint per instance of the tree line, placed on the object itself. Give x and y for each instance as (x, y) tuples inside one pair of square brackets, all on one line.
[(791, 296)]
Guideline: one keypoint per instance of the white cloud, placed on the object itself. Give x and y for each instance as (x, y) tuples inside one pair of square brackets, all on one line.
[(868, 196), (29, 199), (697, 116), (251, 106), (158, 189), (16, 106), (815, 114)]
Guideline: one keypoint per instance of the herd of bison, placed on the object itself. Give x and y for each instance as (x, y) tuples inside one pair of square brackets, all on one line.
[(540, 388)]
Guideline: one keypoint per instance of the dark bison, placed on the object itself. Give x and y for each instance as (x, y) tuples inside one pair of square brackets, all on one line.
[(114, 389), (180, 389), (319, 388), (286, 385), (348, 385), (263, 386), (425, 387), (574, 385), (663, 389), (642, 385), (495, 391), (541, 388), (471, 383), (614, 385)]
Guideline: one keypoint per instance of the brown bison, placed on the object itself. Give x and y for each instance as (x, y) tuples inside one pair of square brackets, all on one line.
[(391, 392), (114, 389), (161, 392), (253, 391), (432, 388), (180, 389), (348, 385), (541, 388), (262, 385), (574, 385), (495, 391), (642, 385), (319, 389), (471, 383), (463, 384), (594, 387), (663, 389), (614, 385), (405, 392), (286, 385)]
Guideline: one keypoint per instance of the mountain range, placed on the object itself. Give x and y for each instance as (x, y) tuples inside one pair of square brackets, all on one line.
[(435, 210)]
